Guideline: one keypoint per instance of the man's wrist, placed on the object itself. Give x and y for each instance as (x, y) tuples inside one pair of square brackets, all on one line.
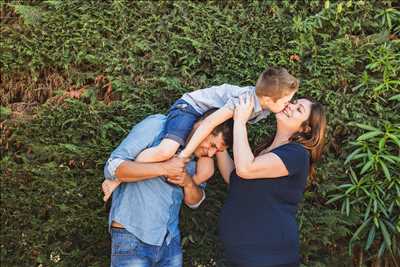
[(163, 166), (189, 182)]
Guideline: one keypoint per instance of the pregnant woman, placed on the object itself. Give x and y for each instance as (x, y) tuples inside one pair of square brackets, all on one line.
[(258, 225)]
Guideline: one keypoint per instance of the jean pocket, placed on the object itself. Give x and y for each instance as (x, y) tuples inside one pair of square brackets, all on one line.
[(124, 246)]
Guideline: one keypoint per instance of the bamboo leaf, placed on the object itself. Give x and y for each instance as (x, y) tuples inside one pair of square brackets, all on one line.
[(352, 155), (388, 158), (360, 229), (368, 210), (385, 233), (367, 127), (371, 237), (395, 97), (382, 143), (385, 170), (368, 135), (367, 166), (334, 199), (376, 222), (394, 138)]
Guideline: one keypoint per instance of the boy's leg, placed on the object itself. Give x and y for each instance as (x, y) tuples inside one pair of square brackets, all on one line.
[(165, 150), (171, 254), (128, 251), (180, 120)]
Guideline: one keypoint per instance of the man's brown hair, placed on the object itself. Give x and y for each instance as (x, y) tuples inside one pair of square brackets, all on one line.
[(276, 83), (226, 128)]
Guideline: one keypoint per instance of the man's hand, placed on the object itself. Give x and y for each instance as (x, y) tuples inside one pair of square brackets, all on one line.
[(193, 194), (182, 180), (174, 166)]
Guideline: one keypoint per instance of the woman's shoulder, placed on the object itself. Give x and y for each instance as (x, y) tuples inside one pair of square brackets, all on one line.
[(292, 149), (294, 146)]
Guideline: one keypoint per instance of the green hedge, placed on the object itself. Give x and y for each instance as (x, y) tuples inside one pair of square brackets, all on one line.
[(130, 59)]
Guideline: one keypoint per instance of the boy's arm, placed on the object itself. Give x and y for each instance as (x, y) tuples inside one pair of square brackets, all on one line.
[(205, 128), (204, 170)]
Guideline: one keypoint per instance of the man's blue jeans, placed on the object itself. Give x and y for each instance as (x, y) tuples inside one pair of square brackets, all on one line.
[(128, 251)]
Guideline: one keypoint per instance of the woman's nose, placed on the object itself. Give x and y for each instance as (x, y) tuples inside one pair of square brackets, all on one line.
[(290, 106)]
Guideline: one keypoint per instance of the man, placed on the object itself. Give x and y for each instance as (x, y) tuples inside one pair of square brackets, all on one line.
[(144, 215)]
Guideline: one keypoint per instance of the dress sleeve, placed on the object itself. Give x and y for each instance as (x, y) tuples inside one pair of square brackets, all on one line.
[(294, 156)]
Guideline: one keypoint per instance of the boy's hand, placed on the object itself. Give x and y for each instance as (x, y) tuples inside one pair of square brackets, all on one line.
[(174, 166), (108, 186), (244, 109)]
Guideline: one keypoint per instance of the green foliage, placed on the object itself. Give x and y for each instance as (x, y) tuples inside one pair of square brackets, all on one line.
[(346, 54), (373, 188), (5, 112)]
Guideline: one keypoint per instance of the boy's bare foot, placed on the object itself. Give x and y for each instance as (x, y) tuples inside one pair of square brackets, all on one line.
[(108, 186)]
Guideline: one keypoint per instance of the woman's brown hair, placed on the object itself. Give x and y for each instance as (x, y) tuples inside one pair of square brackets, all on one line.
[(312, 135)]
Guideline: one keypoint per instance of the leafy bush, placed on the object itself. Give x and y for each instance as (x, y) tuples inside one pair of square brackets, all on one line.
[(95, 68), (373, 189)]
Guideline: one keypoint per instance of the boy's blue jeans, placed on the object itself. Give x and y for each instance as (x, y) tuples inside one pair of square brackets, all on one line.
[(128, 251)]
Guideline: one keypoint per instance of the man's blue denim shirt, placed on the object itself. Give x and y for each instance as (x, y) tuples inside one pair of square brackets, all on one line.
[(148, 209)]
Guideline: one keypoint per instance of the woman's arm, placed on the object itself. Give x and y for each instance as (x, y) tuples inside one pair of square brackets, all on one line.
[(225, 165), (247, 166), (268, 165)]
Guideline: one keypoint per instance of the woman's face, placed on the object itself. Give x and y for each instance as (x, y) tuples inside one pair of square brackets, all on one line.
[(294, 114)]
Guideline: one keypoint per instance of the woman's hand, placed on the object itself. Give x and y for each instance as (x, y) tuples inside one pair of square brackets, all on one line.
[(244, 109)]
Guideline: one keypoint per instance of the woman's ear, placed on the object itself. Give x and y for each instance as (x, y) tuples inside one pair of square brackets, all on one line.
[(306, 129)]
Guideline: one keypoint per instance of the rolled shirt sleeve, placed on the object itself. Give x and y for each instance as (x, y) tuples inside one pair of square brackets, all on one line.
[(195, 206), (143, 135)]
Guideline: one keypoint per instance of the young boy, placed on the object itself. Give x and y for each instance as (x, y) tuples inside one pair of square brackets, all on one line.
[(274, 89)]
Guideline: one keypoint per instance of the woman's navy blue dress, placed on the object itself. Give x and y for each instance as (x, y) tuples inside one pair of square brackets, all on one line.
[(257, 223)]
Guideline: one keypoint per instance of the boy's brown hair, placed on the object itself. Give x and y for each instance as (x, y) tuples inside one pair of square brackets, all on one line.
[(276, 83)]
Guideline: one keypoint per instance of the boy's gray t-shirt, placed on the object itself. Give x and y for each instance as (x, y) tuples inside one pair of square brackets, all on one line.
[(225, 95)]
